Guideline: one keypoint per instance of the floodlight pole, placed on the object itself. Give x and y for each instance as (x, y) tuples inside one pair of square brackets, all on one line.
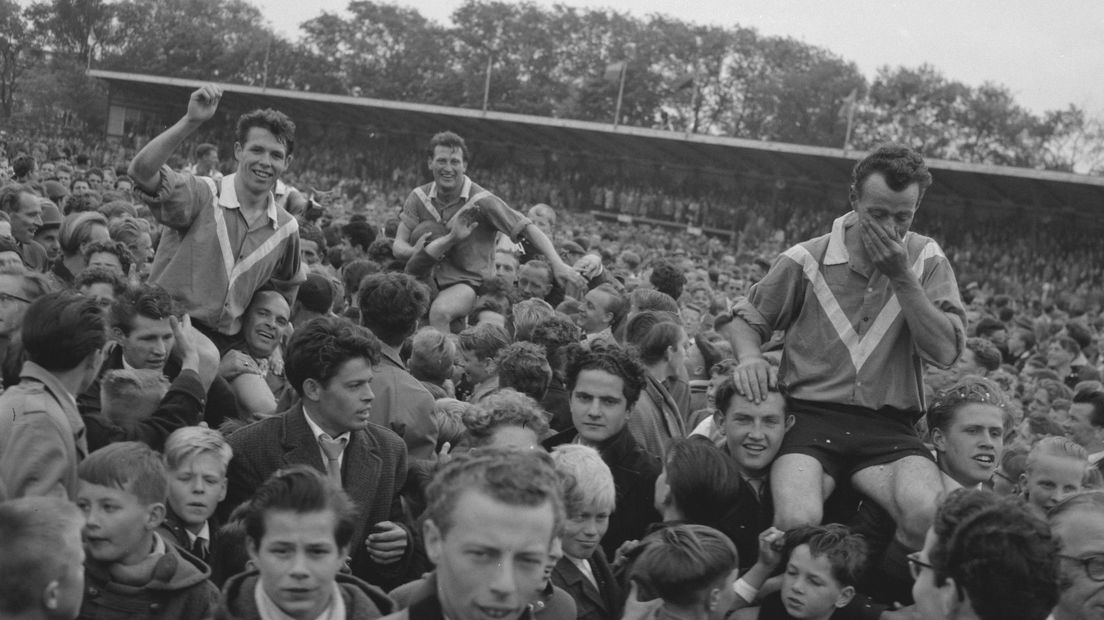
[(620, 94), (487, 82)]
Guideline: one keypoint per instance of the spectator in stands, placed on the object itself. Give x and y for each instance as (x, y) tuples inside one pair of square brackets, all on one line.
[(479, 347), (47, 234), (24, 208), (41, 558), (980, 357), (690, 569), (698, 484), (298, 513), (643, 299), (505, 419), (606, 309), (450, 193), (589, 500), (662, 346), (78, 231), (523, 366), (42, 437), (967, 425), (535, 280), (526, 314), (555, 334), (25, 170), (432, 359), (391, 305), (134, 234), (1086, 425), (315, 299), (505, 502), (1055, 469), (985, 559), (605, 385), (202, 224), (109, 255), (1063, 355), (358, 237), (667, 279), (196, 459), (329, 363), (206, 158), (874, 394), (506, 266), (1078, 525)]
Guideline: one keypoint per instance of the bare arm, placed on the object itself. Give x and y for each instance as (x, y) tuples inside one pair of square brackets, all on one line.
[(574, 283), (401, 248), (145, 166)]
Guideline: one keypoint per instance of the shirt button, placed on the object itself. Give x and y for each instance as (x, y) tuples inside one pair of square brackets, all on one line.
[(866, 319)]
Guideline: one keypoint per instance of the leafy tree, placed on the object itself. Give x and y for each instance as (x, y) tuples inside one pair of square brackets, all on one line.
[(15, 53)]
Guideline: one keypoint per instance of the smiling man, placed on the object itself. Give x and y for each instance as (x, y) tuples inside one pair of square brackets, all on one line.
[(467, 262), (331, 364), (222, 241), (863, 308), (24, 208)]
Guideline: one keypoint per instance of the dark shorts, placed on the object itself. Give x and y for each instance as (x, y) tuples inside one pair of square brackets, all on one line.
[(845, 439)]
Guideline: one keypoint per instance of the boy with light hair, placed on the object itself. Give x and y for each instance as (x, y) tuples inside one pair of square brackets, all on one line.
[(589, 499), (196, 459), (1056, 468), (41, 558)]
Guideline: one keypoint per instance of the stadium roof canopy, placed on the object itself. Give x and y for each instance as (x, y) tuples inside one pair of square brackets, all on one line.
[(956, 183)]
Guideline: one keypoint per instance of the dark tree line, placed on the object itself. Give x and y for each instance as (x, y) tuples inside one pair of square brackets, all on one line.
[(547, 61)]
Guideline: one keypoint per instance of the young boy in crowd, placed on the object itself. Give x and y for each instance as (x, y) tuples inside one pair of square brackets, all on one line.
[(479, 347), (41, 559), (130, 395), (130, 570), (1056, 467), (196, 459), (823, 566), (690, 569)]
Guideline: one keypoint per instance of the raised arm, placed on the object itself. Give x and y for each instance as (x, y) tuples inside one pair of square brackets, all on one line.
[(145, 166), (573, 283)]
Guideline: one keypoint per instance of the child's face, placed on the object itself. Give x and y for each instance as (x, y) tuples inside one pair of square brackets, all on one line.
[(808, 588), (196, 488), (1050, 479), (117, 526), (298, 560), (476, 369)]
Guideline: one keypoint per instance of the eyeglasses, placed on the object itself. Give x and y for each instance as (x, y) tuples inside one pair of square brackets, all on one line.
[(916, 565), (7, 298), (1093, 564)]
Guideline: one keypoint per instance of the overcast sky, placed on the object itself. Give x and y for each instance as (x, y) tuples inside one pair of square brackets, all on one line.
[(1050, 54)]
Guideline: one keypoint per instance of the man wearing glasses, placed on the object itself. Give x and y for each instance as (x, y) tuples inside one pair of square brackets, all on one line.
[(1078, 524)]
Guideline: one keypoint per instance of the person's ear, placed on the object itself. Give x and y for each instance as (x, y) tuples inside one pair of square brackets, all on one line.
[(939, 440), (719, 422), (155, 516), (948, 599), (312, 389), (853, 196), (790, 419), (434, 542), (51, 595), (713, 599), (117, 334), (252, 547), (845, 597), (237, 151)]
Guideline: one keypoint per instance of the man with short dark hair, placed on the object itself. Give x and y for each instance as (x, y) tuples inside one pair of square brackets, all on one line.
[(315, 299), (222, 241), (1078, 526), (452, 194), (330, 363), (1085, 425), (42, 437), (862, 308), (390, 306)]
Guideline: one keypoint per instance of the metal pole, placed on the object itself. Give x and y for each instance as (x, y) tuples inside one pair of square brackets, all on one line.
[(487, 82), (850, 124), (620, 94)]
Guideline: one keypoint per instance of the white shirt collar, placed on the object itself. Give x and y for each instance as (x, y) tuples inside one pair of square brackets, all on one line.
[(204, 533), (228, 198), (317, 430), (465, 189), (1096, 457)]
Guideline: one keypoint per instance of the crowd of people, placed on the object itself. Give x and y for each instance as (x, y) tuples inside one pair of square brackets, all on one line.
[(295, 382)]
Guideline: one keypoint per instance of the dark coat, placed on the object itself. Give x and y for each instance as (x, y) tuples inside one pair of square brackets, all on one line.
[(424, 604), (362, 601), (634, 475), (601, 603), (173, 531), (179, 589), (373, 473), (181, 406)]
